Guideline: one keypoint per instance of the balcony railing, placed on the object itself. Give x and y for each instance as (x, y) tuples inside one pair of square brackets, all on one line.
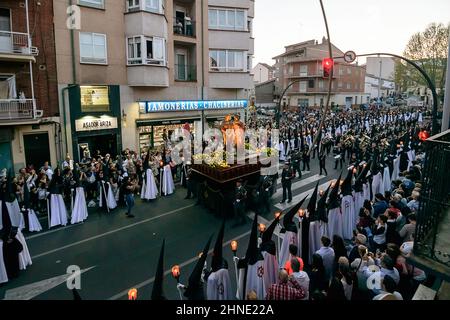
[(184, 28), (432, 239), (17, 109), (185, 72), (15, 43)]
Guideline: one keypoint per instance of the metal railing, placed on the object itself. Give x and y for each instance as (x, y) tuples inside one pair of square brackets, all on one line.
[(432, 239), (185, 72), (16, 109), (15, 42), (183, 28)]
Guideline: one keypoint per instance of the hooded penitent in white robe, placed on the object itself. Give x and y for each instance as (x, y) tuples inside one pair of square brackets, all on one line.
[(335, 224), (58, 212), (271, 269), (288, 239), (377, 180), (411, 157), (315, 235), (24, 256), (3, 274), (348, 216), (255, 281), (386, 186), (396, 171), (366, 192), (33, 222), (219, 286), (15, 215), (167, 184), (149, 190), (358, 200), (281, 149), (80, 211), (110, 198)]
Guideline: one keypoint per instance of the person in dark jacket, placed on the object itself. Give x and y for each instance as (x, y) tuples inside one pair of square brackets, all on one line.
[(317, 275), (380, 205)]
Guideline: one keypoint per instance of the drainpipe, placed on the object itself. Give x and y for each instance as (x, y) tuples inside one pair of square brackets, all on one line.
[(64, 113), (30, 63), (203, 67), (72, 46)]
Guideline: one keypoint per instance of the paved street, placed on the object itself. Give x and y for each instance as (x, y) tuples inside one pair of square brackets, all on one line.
[(123, 252)]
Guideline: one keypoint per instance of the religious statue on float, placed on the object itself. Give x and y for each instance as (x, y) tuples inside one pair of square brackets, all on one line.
[(233, 128)]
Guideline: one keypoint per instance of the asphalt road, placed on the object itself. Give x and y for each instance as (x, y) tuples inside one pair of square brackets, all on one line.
[(123, 252)]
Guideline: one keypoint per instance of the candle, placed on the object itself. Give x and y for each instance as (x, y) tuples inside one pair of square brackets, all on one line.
[(132, 294), (234, 246), (176, 271)]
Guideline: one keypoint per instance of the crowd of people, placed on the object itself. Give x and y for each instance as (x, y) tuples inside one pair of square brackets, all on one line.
[(352, 241), (360, 226)]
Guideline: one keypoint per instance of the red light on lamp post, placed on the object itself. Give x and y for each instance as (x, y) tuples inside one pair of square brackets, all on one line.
[(327, 66)]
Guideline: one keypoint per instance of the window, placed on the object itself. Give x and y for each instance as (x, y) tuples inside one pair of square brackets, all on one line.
[(321, 84), (340, 84), (100, 4), (93, 48), (349, 86), (5, 20), (146, 50), (94, 99), (341, 71), (228, 19), (311, 84), (146, 5), (303, 70), (291, 69), (349, 71), (303, 85), (228, 60)]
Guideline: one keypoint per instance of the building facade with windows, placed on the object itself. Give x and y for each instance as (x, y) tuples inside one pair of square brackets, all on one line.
[(29, 116), (301, 64), (262, 72), (151, 65), (379, 82)]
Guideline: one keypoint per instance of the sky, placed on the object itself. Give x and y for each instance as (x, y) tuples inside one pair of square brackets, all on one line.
[(364, 26)]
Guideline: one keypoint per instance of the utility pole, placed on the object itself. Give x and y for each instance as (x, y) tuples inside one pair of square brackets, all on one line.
[(446, 110), (379, 78)]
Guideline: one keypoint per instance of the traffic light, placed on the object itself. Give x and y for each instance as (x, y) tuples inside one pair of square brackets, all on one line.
[(327, 66)]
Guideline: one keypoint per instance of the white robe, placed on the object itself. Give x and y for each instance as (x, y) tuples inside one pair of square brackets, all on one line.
[(366, 191), (167, 185), (80, 210), (110, 198), (3, 274), (386, 180), (335, 224), (15, 215), (149, 190), (396, 171), (314, 239), (24, 256), (323, 229), (58, 212), (348, 216), (219, 286), (33, 222), (281, 149), (358, 200), (411, 157), (376, 185), (255, 281), (288, 239), (271, 269)]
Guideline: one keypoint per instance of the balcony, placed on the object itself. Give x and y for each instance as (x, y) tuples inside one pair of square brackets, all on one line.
[(187, 73), (184, 28), (15, 46), (148, 76), (18, 109), (230, 80), (432, 240)]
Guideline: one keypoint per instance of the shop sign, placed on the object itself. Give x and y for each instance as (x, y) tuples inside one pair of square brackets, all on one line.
[(91, 124), (172, 106)]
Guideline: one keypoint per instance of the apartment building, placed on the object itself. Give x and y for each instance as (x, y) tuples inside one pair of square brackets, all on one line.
[(29, 118), (301, 64), (379, 81), (132, 68), (262, 72)]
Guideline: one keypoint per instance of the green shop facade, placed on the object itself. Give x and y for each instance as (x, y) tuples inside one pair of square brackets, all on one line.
[(95, 120)]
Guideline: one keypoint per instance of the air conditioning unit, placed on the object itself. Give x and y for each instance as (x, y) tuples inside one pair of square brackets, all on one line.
[(34, 51)]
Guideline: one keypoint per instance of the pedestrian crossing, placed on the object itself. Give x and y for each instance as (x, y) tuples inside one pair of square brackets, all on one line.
[(296, 199), (297, 185)]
